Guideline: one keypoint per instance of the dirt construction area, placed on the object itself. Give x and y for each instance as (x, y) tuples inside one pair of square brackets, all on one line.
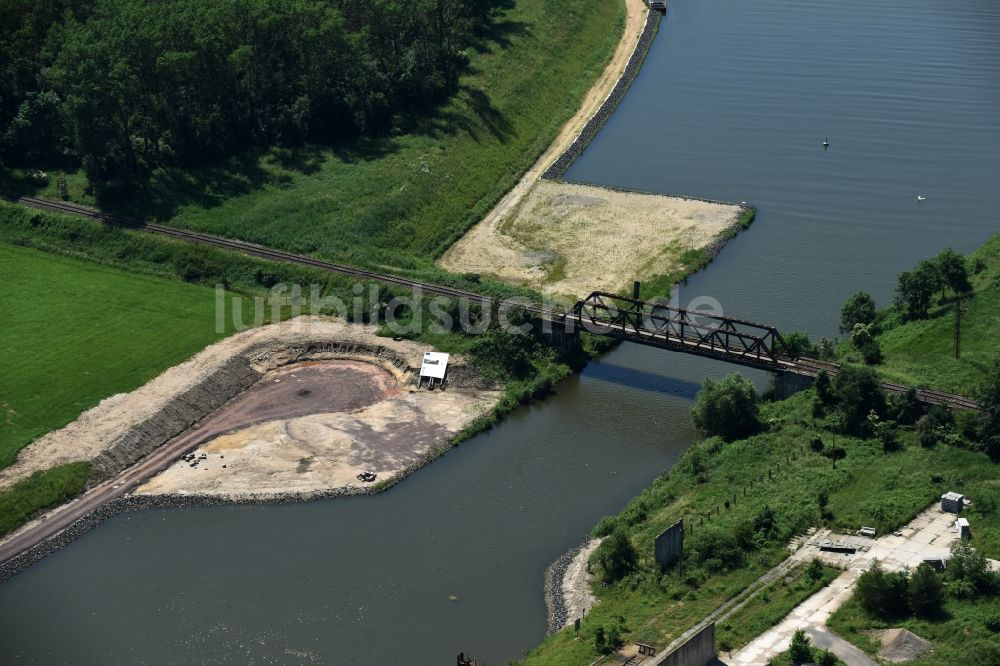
[(285, 391), (566, 239), (315, 426)]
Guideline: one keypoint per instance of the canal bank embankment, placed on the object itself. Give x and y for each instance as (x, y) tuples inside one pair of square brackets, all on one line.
[(308, 408), (567, 585)]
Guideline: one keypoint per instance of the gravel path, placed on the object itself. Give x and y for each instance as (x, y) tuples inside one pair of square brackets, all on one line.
[(567, 585)]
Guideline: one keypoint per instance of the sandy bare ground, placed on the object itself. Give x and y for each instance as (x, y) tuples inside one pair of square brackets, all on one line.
[(635, 18), (96, 429), (566, 239), (364, 421), (576, 591)]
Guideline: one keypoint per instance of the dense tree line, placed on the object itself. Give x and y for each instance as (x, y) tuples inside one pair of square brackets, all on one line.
[(126, 86), (915, 289)]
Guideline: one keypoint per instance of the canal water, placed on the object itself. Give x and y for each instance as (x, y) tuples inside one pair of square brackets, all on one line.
[(732, 103)]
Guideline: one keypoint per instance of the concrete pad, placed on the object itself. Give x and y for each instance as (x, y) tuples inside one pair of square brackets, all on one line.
[(893, 552)]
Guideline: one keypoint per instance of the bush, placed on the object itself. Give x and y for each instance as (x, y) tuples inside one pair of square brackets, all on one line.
[(715, 549), (926, 592), (859, 309), (858, 393), (993, 623), (604, 527), (881, 594), (970, 425), (607, 640), (503, 355), (935, 426), (616, 556), (800, 651), (796, 344), (765, 523), (906, 409), (835, 453), (727, 408), (601, 640), (815, 569), (985, 505), (888, 435), (824, 388), (968, 572), (865, 342), (826, 658)]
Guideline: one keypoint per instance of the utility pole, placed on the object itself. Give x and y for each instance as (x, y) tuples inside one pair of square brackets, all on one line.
[(959, 311)]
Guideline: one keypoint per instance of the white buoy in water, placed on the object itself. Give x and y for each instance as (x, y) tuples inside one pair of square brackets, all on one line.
[(921, 198)]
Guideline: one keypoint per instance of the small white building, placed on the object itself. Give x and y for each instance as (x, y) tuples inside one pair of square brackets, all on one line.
[(962, 528), (433, 369)]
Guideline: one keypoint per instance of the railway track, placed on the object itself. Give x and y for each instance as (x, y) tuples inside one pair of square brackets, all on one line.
[(809, 367), (243, 246), (813, 366)]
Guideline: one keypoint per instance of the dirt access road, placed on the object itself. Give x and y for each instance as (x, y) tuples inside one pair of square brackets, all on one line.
[(635, 20), (62, 517), (344, 386)]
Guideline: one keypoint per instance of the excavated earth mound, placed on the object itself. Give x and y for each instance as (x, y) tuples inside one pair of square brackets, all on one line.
[(900, 645)]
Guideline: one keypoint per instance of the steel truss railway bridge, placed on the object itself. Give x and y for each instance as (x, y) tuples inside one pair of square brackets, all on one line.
[(738, 341)]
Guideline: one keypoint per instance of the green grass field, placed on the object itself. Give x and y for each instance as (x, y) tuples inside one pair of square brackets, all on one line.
[(75, 333), (960, 637), (40, 490), (769, 606), (400, 201), (921, 353)]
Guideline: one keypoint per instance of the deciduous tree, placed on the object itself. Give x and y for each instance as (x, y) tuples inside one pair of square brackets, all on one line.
[(926, 591), (858, 393), (727, 408), (858, 309)]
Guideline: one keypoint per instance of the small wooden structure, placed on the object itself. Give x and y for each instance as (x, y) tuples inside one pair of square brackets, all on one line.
[(646, 649), (658, 5)]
